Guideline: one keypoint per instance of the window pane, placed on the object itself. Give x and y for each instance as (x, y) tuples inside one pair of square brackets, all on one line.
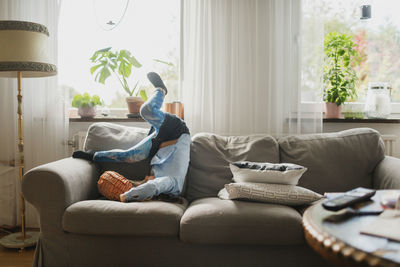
[(150, 34), (312, 45), (377, 39)]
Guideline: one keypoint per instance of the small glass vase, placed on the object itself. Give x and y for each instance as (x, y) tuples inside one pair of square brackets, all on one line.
[(377, 104)]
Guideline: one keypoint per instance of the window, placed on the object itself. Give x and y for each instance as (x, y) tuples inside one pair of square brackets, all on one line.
[(377, 39), (150, 34)]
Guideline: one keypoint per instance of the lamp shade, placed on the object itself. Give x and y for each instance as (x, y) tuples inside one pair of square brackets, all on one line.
[(24, 47)]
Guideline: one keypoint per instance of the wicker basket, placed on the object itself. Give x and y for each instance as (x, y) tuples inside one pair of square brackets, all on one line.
[(112, 184)]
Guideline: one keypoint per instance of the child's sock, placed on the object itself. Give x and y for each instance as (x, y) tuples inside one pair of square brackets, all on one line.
[(80, 154), (140, 193), (157, 82)]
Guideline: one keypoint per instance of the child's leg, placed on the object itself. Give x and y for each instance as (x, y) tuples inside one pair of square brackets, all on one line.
[(151, 110), (138, 152)]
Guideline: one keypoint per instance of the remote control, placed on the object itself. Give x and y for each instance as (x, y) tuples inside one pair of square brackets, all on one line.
[(349, 198)]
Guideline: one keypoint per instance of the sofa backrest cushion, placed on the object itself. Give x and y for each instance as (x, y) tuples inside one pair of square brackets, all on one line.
[(103, 136), (336, 162), (211, 154), (106, 136)]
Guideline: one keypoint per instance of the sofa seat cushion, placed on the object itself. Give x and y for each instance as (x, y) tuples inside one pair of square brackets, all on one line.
[(216, 221), (104, 217), (336, 162)]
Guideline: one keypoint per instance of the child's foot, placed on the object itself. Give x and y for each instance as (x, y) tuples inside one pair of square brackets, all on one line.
[(80, 154), (140, 193), (122, 198), (155, 79)]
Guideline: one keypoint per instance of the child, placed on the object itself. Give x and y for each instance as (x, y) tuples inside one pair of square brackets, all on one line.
[(168, 144)]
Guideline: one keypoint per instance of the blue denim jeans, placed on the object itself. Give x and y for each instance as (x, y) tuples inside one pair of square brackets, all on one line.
[(152, 113)]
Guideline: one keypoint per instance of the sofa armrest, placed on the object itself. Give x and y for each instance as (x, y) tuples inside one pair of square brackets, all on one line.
[(387, 174), (52, 187)]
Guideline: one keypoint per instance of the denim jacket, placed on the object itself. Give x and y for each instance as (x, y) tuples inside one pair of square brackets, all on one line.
[(169, 166)]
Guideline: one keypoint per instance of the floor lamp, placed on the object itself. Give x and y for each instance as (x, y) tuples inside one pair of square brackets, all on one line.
[(23, 53)]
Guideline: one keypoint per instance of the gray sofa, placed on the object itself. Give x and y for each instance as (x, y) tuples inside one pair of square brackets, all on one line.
[(78, 228)]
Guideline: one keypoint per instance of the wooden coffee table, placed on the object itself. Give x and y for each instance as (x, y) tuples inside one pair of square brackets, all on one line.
[(338, 239)]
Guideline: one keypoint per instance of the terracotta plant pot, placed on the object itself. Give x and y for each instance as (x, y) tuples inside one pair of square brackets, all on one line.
[(175, 108), (332, 110), (134, 104), (87, 112)]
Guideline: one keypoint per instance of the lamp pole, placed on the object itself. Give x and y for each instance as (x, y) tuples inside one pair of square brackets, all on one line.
[(21, 153)]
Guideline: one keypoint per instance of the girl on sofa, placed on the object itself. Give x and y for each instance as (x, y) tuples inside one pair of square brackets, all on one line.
[(168, 144)]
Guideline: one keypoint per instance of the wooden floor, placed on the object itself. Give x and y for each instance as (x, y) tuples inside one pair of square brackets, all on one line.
[(15, 257)]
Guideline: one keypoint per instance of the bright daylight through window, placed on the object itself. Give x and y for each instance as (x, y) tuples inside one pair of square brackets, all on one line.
[(150, 35), (377, 44)]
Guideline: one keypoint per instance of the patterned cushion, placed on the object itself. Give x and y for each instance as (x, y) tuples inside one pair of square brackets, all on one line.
[(255, 172), (269, 193)]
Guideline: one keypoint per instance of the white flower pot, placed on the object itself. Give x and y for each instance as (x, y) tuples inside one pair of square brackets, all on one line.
[(87, 112)]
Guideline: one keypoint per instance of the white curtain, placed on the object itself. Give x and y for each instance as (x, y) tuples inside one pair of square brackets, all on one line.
[(241, 68), (44, 115)]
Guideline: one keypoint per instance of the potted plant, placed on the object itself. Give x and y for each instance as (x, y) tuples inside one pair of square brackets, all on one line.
[(86, 104), (339, 75), (119, 63)]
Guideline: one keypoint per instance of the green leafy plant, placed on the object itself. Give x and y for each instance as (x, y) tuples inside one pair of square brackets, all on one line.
[(119, 63), (86, 100), (339, 75)]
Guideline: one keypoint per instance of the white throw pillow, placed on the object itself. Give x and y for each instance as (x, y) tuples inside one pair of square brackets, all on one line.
[(290, 195), (271, 173)]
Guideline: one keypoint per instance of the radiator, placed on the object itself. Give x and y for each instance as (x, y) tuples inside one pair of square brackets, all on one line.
[(389, 141), (77, 141), (8, 204)]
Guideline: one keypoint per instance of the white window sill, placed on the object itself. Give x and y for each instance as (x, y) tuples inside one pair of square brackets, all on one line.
[(365, 120), (348, 106), (106, 119), (114, 113)]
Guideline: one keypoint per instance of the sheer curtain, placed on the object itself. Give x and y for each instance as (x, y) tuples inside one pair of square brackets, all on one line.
[(241, 68), (44, 114)]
